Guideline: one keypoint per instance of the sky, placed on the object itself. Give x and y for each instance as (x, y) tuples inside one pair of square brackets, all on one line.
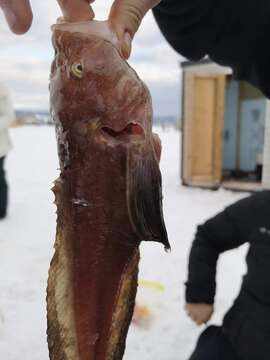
[(25, 60)]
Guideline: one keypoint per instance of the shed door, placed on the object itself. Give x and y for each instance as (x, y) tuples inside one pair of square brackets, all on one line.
[(203, 125), (252, 133)]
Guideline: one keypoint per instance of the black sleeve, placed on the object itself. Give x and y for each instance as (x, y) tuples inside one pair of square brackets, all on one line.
[(227, 230), (233, 33)]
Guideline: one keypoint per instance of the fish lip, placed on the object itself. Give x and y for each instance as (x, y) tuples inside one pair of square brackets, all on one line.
[(130, 132)]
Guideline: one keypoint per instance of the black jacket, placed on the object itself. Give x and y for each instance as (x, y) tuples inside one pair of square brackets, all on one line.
[(234, 33), (247, 324)]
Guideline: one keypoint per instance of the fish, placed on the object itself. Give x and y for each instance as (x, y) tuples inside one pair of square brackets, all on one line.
[(108, 195)]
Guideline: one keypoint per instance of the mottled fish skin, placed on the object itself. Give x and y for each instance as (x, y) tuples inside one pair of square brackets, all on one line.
[(108, 197)]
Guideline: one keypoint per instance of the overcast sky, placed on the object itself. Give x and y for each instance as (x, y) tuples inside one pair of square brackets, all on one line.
[(25, 60)]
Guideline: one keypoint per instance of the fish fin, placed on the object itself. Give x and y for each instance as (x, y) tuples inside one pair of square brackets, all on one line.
[(157, 146), (144, 194)]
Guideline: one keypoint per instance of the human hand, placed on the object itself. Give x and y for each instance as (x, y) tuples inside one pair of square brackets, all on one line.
[(125, 18), (199, 313), (18, 15)]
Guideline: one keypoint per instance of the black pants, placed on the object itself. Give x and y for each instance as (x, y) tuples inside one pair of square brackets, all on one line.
[(3, 190), (213, 345)]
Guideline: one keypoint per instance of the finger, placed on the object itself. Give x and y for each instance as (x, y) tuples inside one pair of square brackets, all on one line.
[(125, 18), (76, 10), (18, 15)]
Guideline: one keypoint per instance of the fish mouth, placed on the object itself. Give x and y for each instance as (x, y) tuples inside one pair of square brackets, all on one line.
[(132, 131)]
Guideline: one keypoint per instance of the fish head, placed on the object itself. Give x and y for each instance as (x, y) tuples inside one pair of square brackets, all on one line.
[(97, 83)]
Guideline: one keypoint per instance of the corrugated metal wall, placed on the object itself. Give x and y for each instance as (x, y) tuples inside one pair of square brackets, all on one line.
[(266, 168)]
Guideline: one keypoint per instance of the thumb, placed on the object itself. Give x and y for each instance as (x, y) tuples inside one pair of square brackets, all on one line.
[(125, 18)]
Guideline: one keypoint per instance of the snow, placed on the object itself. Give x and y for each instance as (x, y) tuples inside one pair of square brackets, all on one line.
[(26, 246)]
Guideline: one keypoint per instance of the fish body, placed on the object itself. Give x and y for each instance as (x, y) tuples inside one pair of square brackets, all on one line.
[(108, 196)]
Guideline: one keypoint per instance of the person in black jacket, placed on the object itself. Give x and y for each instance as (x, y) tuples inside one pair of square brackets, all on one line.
[(231, 33), (245, 332)]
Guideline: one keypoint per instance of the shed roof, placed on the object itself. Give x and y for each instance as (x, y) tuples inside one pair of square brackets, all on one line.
[(187, 63), (205, 65)]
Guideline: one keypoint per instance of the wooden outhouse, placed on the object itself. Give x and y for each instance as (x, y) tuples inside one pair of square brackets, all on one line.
[(225, 130)]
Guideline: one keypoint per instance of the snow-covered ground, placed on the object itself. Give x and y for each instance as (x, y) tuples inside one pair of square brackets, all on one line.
[(26, 246)]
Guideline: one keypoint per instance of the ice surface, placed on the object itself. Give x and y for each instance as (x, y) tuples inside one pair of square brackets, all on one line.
[(26, 247)]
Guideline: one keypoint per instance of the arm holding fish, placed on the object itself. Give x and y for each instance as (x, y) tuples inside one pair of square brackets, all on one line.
[(125, 17), (231, 33), (225, 231), (195, 29), (19, 16)]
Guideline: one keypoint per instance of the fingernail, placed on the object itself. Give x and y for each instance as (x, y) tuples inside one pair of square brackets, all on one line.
[(126, 48)]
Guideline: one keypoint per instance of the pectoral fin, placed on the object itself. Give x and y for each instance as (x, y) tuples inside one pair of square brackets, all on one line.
[(144, 194)]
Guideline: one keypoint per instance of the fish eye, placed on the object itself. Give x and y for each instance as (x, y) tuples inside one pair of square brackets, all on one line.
[(77, 70)]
